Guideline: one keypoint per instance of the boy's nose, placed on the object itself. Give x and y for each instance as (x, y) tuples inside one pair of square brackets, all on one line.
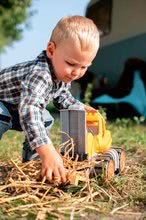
[(75, 73)]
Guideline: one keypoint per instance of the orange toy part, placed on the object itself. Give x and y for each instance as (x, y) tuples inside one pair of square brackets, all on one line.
[(98, 139)]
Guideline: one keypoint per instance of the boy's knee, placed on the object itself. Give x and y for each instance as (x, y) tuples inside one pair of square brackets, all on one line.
[(5, 119), (4, 127)]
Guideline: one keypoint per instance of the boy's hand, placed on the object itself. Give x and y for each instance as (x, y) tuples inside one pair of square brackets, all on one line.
[(52, 164), (90, 109)]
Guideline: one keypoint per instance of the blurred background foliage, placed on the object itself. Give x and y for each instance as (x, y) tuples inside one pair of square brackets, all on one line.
[(14, 15)]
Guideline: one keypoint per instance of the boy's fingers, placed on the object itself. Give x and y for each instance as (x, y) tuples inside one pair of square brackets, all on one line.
[(90, 109), (57, 177), (62, 174), (49, 175), (43, 172)]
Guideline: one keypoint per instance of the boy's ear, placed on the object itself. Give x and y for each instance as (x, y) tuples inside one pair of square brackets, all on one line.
[(50, 49)]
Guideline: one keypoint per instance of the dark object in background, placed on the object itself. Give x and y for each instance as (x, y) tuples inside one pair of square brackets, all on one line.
[(100, 85), (121, 90), (123, 87), (125, 83)]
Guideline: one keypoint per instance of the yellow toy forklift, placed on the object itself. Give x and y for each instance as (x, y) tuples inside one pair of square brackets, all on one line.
[(92, 140)]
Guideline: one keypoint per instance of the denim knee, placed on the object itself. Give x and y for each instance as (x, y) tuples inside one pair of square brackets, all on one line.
[(5, 120), (4, 127)]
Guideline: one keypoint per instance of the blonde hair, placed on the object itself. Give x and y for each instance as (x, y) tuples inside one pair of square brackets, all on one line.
[(78, 28)]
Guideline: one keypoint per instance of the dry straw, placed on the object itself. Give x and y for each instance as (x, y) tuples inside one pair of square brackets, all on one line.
[(23, 182)]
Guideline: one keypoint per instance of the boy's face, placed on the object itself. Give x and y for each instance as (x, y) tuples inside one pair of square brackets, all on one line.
[(69, 62)]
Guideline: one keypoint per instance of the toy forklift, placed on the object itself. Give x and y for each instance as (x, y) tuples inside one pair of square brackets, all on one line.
[(92, 140)]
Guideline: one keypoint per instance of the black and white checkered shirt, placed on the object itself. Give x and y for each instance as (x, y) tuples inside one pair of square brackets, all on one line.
[(31, 86)]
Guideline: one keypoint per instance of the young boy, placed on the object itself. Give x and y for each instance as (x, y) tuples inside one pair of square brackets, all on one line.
[(26, 89)]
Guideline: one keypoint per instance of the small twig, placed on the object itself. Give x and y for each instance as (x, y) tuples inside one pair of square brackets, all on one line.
[(41, 214), (19, 169), (22, 207), (72, 214), (118, 208), (3, 200), (45, 193), (114, 189), (92, 208)]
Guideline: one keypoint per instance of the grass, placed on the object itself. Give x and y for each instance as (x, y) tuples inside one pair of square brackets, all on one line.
[(126, 194)]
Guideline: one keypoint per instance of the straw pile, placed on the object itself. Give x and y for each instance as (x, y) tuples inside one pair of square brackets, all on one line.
[(23, 181), (22, 186)]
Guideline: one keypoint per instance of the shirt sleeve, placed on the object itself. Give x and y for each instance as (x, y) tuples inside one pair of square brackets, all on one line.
[(65, 99), (32, 105)]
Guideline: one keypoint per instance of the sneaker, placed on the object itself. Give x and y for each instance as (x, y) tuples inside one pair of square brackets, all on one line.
[(28, 155)]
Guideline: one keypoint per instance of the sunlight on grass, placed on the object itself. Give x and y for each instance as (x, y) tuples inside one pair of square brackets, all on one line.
[(11, 145), (130, 136)]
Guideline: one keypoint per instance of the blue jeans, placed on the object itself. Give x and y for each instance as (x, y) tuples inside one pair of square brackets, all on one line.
[(9, 120)]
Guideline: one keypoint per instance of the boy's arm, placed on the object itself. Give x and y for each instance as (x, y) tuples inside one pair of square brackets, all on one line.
[(31, 107), (32, 104), (65, 99), (33, 126)]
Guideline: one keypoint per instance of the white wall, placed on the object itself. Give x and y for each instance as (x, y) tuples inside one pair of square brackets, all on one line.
[(128, 20)]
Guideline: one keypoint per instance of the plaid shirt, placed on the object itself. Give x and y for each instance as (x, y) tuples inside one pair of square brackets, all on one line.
[(31, 86)]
